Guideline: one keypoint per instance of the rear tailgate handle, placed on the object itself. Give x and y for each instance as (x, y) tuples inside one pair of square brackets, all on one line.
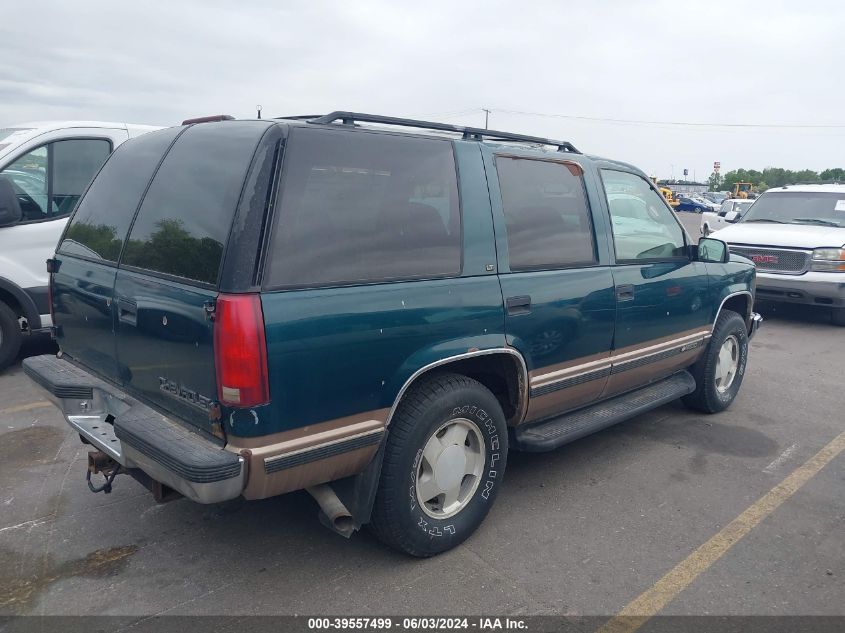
[(518, 305), (625, 292), (127, 312)]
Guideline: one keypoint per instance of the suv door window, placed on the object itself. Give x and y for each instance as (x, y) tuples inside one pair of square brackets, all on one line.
[(359, 207), (184, 220), (546, 214), (644, 228), (50, 179), (98, 228)]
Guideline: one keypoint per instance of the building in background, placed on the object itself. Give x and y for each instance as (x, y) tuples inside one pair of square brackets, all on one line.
[(684, 187)]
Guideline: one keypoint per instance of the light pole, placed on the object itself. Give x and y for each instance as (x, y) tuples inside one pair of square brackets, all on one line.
[(486, 117)]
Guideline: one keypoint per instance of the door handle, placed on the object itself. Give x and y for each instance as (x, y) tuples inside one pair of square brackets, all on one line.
[(518, 305), (625, 292), (127, 312)]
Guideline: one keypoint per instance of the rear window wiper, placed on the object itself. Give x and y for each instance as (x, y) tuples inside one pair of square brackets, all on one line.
[(766, 220), (817, 221)]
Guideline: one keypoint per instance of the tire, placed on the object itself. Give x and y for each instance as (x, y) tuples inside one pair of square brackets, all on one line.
[(710, 396), (440, 405), (837, 316), (10, 336)]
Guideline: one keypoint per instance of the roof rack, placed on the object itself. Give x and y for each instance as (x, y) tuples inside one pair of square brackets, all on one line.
[(469, 133), (810, 182)]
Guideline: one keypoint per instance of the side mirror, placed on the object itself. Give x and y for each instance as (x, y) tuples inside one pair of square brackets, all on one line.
[(713, 250), (10, 207), (732, 216)]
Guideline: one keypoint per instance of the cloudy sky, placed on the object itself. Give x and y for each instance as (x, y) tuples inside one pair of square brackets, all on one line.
[(571, 65)]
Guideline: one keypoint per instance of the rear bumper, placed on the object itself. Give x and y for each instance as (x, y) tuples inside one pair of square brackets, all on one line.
[(826, 289), (136, 436)]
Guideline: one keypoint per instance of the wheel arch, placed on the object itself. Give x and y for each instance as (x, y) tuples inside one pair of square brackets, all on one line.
[(18, 300), (740, 302), (502, 370)]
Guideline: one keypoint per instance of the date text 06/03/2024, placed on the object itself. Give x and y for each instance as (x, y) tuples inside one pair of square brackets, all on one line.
[(417, 623)]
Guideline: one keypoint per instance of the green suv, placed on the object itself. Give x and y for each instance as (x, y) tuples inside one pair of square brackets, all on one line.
[(375, 310)]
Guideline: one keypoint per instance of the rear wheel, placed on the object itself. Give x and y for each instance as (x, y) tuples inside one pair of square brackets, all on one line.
[(718, 373), (443, 464), (10, 336), (838, 316)]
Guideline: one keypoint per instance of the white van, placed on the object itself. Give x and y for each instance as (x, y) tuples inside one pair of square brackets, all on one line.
[(44, 168)]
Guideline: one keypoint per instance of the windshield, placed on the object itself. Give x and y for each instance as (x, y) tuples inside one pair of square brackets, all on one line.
[(799, 208), (6, 132)]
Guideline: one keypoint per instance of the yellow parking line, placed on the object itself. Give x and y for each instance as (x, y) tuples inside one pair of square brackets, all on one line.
[(652, 601), (26, 407)]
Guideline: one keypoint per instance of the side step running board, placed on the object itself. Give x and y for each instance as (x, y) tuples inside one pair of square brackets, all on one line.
[(549, 434)]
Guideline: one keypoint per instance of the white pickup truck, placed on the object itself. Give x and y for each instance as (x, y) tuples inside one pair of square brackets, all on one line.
[(731, 211), (796, 237), (44, 168)]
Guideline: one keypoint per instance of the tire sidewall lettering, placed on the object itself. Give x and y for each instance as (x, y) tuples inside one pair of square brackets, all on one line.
[(437, 528), (728, 396)]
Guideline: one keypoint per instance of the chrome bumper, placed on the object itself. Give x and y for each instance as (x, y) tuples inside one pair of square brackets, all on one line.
[(756, 322), (136, 436), (816, 288)]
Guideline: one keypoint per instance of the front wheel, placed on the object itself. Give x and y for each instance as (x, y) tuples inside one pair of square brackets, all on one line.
[(10, 335), (443, 465), (718, 373)]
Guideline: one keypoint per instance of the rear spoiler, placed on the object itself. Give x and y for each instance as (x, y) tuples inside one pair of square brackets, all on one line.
[(209, 119)]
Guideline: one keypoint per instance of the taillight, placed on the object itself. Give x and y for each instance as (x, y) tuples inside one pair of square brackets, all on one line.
[(240, 351)]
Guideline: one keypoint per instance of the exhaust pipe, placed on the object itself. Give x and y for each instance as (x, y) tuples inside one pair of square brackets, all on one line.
[(333, 514)]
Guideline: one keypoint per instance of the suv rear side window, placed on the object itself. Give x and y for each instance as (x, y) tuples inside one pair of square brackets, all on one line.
[(643, 225), (99, 226), (184, 220), (546, 214), (360, 207)]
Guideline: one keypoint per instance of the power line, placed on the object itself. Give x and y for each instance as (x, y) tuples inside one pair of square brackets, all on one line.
[(674, 123)]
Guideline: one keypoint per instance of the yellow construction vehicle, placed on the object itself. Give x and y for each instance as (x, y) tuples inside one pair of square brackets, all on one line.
[(670, 197), (742, 189)]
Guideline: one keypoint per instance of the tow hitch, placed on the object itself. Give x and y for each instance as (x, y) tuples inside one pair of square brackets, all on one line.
[(100, 463)]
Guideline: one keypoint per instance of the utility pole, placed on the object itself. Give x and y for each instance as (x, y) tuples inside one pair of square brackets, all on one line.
[(258, 107), (486, 117)]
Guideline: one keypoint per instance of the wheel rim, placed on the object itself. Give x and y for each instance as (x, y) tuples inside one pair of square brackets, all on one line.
[(727, 363), (450, 468)]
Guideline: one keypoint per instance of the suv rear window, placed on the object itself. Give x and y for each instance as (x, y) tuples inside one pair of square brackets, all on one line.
[(185, 218), (99, 226), (360, 207)]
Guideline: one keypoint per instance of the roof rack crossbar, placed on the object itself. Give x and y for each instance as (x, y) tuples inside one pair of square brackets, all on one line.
[(468, 133)]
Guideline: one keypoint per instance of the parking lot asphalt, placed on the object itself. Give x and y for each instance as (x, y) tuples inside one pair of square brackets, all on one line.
[(583, 530)]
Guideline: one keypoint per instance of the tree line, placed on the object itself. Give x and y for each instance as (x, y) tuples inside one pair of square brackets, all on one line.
[(772, 177)]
